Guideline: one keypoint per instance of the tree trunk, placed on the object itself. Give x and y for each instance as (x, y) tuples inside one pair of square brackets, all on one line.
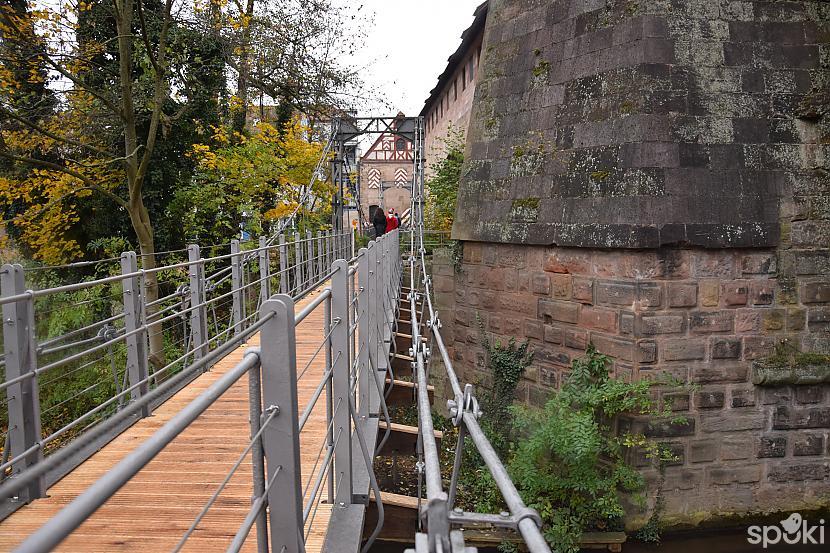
[(241, 116), (144, 232)]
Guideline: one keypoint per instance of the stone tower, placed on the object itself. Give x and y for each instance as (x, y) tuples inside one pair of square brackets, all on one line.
[(651, 176)]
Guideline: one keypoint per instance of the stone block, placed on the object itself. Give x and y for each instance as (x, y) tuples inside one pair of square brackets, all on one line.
[(568, 261), (534, 329), (709, 293), (747, 321), (774, 319), (758, 346), (553, 334), (759, 264), (772, 446), (734, 448), (732, 422), (709, 400), (725, 347), (619, 348), (646, 351), (649, 295), (815, 292), (653, 324), (743, 398), (735, 293), (725, 475), (616, 293), (670, 429), (678, 478), (678, 401), (583, 290), (681, 294), (540, 284), (809, 394), (761, 292), (798, 472), (598, 318), (553, 310), (627, 320), (792, 418), (703, 451), (683, 350), (561, 286), (711, 321), (805, 444), (576, 338)]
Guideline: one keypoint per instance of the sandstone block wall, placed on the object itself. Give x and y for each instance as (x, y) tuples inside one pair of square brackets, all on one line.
[(702, 316)]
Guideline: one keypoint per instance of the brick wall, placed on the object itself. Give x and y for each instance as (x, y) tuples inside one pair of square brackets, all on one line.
[(700, 315)]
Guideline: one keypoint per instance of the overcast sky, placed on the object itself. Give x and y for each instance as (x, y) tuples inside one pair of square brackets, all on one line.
[(408, 46)]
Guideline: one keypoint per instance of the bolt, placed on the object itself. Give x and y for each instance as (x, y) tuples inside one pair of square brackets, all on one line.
[(504, 514)]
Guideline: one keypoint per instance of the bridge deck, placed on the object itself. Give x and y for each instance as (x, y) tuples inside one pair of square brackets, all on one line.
[(152, 512)]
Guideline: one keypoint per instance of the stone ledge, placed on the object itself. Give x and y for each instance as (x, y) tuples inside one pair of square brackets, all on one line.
[(807, 371)]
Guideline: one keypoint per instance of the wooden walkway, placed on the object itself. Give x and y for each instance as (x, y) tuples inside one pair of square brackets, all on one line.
[(152, 512)]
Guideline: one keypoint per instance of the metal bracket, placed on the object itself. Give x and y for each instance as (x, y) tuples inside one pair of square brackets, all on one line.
[(463, 404)]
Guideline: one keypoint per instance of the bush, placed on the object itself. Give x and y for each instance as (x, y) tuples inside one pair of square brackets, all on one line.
[(570, 464)]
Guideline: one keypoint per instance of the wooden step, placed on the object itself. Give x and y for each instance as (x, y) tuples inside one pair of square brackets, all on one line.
[(400, 517), (403, 341), (402, 438), (401, 365), (403, 393)]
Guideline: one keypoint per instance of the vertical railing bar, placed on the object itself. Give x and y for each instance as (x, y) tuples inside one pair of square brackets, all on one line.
[(136, 368)]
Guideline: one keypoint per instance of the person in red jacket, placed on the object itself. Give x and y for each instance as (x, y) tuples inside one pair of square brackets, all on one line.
[(391, 221)]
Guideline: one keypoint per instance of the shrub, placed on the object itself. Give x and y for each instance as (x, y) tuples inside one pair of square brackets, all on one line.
[(570, 463)]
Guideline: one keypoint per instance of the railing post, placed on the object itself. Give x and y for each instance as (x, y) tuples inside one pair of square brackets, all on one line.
[(283, 265), (257, 453), (309, 262), (372, 306), (19, 344), (136, 341), (281, 438), (367, 391), (299, 280), (341, 388), (264, 270), (321, 261), (236, 287), (198, 312)]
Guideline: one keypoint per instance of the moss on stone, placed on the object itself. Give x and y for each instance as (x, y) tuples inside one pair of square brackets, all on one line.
[(526, 203), (600, 175), (541, 69), (791, 368)]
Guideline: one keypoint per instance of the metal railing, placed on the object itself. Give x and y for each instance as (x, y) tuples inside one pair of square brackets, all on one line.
[(439, 519), (358, 307), (68, 391)]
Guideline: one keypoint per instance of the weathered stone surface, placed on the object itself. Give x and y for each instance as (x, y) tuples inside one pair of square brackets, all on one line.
[(765, 373), (772, 446), (808, 444), (789, 418)]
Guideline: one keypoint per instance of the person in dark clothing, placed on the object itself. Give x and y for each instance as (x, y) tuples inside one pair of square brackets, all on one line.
[(379, 222), (398, 217)]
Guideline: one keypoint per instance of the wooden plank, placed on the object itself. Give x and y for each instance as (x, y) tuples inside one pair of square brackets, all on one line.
[(403, 392), (402, 438), (152, 512)]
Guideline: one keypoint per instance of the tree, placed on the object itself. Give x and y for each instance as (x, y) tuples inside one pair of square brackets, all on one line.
[(135, 83), (93, 95), (442, 186), (252, 181)]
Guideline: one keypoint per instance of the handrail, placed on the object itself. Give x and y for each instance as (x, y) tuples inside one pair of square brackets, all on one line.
[(277, 317)]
